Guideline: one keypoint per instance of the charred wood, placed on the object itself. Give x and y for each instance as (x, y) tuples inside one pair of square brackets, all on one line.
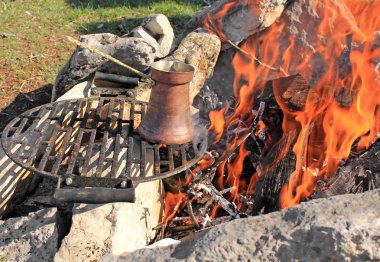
[(291, 92), (274, 175), (356, 175)]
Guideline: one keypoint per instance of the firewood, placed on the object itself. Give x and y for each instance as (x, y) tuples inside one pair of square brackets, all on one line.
[(293, 91), (356, 175), (345, 96), (274, 176)]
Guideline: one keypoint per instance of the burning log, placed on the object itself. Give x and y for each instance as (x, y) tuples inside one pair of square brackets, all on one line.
[(357, 175), (271, 181)]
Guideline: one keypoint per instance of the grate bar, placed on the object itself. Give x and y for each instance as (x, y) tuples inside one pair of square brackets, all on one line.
[(143, 159), (129, 157), (89, 151), (157, 168), (102, 155), (49, 148), (75, 152)]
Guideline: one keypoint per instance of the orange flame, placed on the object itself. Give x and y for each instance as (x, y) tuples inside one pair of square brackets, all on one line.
[(173, 202), (214, 22), (261, 125), (217, 123), (327, 130), (341, 57)]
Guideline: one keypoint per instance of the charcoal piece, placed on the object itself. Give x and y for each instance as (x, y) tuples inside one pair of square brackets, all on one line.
[(206, 101), (357, 175)]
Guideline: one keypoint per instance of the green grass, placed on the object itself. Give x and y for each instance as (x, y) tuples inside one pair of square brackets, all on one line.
[(39, 49)]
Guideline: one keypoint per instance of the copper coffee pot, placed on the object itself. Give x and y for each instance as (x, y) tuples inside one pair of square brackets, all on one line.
[(167, 119)]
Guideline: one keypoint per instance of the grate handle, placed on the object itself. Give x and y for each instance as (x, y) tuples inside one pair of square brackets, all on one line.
[(94, 195)]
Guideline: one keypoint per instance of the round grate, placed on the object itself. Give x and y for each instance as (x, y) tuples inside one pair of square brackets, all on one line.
[(94, 138)]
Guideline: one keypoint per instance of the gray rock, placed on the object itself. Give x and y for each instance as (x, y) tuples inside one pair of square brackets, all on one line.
[(133, 51), (30, 238), (342, 228)]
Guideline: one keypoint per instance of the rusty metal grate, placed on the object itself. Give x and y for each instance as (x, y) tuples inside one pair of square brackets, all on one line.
[(92, 142)]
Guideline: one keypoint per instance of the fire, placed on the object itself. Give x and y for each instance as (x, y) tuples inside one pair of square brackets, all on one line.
[(261, 126), (217, 123), (332, 46), (173, 202), (213, 23), (326, 129)]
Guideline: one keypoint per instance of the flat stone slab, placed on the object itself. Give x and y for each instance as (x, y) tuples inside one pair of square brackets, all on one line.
[(341, 228)]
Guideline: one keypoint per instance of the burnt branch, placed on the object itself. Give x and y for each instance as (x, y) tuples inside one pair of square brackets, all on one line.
[(357, 175)]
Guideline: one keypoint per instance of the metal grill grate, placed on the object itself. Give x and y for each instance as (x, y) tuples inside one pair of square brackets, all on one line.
[(92, 142)]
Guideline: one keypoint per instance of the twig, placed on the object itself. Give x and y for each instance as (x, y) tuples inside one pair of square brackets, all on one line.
[(108, 57), (205, 207), (257, 60), (181, 228), (207, 176), (176, 219), (211, 171), (206, 220), (227, 190), (190, 211), (259, 115), (6, 35), (28, 97), (218, 198)]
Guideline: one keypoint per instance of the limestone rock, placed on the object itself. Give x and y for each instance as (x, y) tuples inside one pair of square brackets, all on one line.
[(116, 227), (30, 238), (160, 28), (342, 228), (140, 32), (136, 52), (240, 19)]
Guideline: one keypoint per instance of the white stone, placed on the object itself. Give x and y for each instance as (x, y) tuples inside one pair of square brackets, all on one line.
[(114, 228), (30, 238), (158, 24), (80, 90), (140, 32), (160, 28), (341, 228)]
